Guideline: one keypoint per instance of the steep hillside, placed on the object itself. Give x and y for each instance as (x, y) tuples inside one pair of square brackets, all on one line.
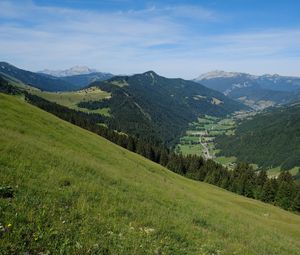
[(40, 81), (270, 139), (255, 91), (154, 106), (76, 193)]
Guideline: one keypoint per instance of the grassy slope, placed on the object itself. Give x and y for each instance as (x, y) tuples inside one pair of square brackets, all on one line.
[(71, 99), (118, 202)]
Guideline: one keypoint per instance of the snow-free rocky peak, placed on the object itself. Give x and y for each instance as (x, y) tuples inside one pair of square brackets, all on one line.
[(220, 74), (75, 70)]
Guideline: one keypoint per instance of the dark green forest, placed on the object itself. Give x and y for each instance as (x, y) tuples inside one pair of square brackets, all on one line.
[(269, 139)]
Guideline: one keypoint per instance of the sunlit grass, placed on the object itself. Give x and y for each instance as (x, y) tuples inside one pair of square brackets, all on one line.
[(71, 99), (77, 193)]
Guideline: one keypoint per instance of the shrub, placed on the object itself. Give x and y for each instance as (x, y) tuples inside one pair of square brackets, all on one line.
[(6, 192)]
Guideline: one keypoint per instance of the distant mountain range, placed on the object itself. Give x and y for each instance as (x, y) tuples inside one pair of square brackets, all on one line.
[(258, 92), (59, 82), (75, 70), (83, 80), (255, 91), (79, 76)]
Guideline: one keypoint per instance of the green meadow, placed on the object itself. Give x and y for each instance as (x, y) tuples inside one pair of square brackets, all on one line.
[(71, 99), (202, 133), (77, 193)]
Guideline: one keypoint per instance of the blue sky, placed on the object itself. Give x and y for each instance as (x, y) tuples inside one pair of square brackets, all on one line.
[(173, 38)]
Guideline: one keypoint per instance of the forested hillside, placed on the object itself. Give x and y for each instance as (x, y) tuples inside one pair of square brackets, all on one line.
[(149, 105), (269, 139)]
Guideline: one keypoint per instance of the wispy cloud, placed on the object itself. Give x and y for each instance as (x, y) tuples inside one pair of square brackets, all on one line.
[(184, 11), (127, 41)]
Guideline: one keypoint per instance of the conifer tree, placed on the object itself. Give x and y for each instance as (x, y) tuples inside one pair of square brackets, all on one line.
[(296, 202), (284, 197), (164, 158), (268, 192), (261, 179)]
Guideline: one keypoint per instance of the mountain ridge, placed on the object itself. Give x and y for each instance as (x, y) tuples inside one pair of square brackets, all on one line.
[(221, 74), (74, 70), (165, 106), (48, 82), (257, 91), (40, 81)]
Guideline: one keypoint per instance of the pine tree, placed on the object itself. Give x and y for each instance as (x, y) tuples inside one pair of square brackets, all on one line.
[(285, 176), (268, 192), (261, 179), (164, 158), (131, 144), (194, 164), (296, 202), (284, 197)]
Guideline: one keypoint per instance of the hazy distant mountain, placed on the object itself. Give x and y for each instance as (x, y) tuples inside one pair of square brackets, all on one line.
[(75, 70), (48, 82), (78, 76), (256, 91), (82, 80)]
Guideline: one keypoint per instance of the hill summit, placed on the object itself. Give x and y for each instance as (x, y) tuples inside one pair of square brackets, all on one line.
[(158, 106)]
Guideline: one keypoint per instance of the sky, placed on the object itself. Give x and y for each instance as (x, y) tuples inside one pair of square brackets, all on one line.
[(173, 38)]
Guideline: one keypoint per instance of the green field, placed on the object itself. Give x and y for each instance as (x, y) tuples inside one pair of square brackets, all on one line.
[(274, 172), (71, 99), (187, 149), (68, 99), (206, 129), (225, 160), (77, 193), (189, 139)]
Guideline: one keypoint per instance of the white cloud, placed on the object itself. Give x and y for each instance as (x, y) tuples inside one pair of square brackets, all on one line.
[(131, 41)]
